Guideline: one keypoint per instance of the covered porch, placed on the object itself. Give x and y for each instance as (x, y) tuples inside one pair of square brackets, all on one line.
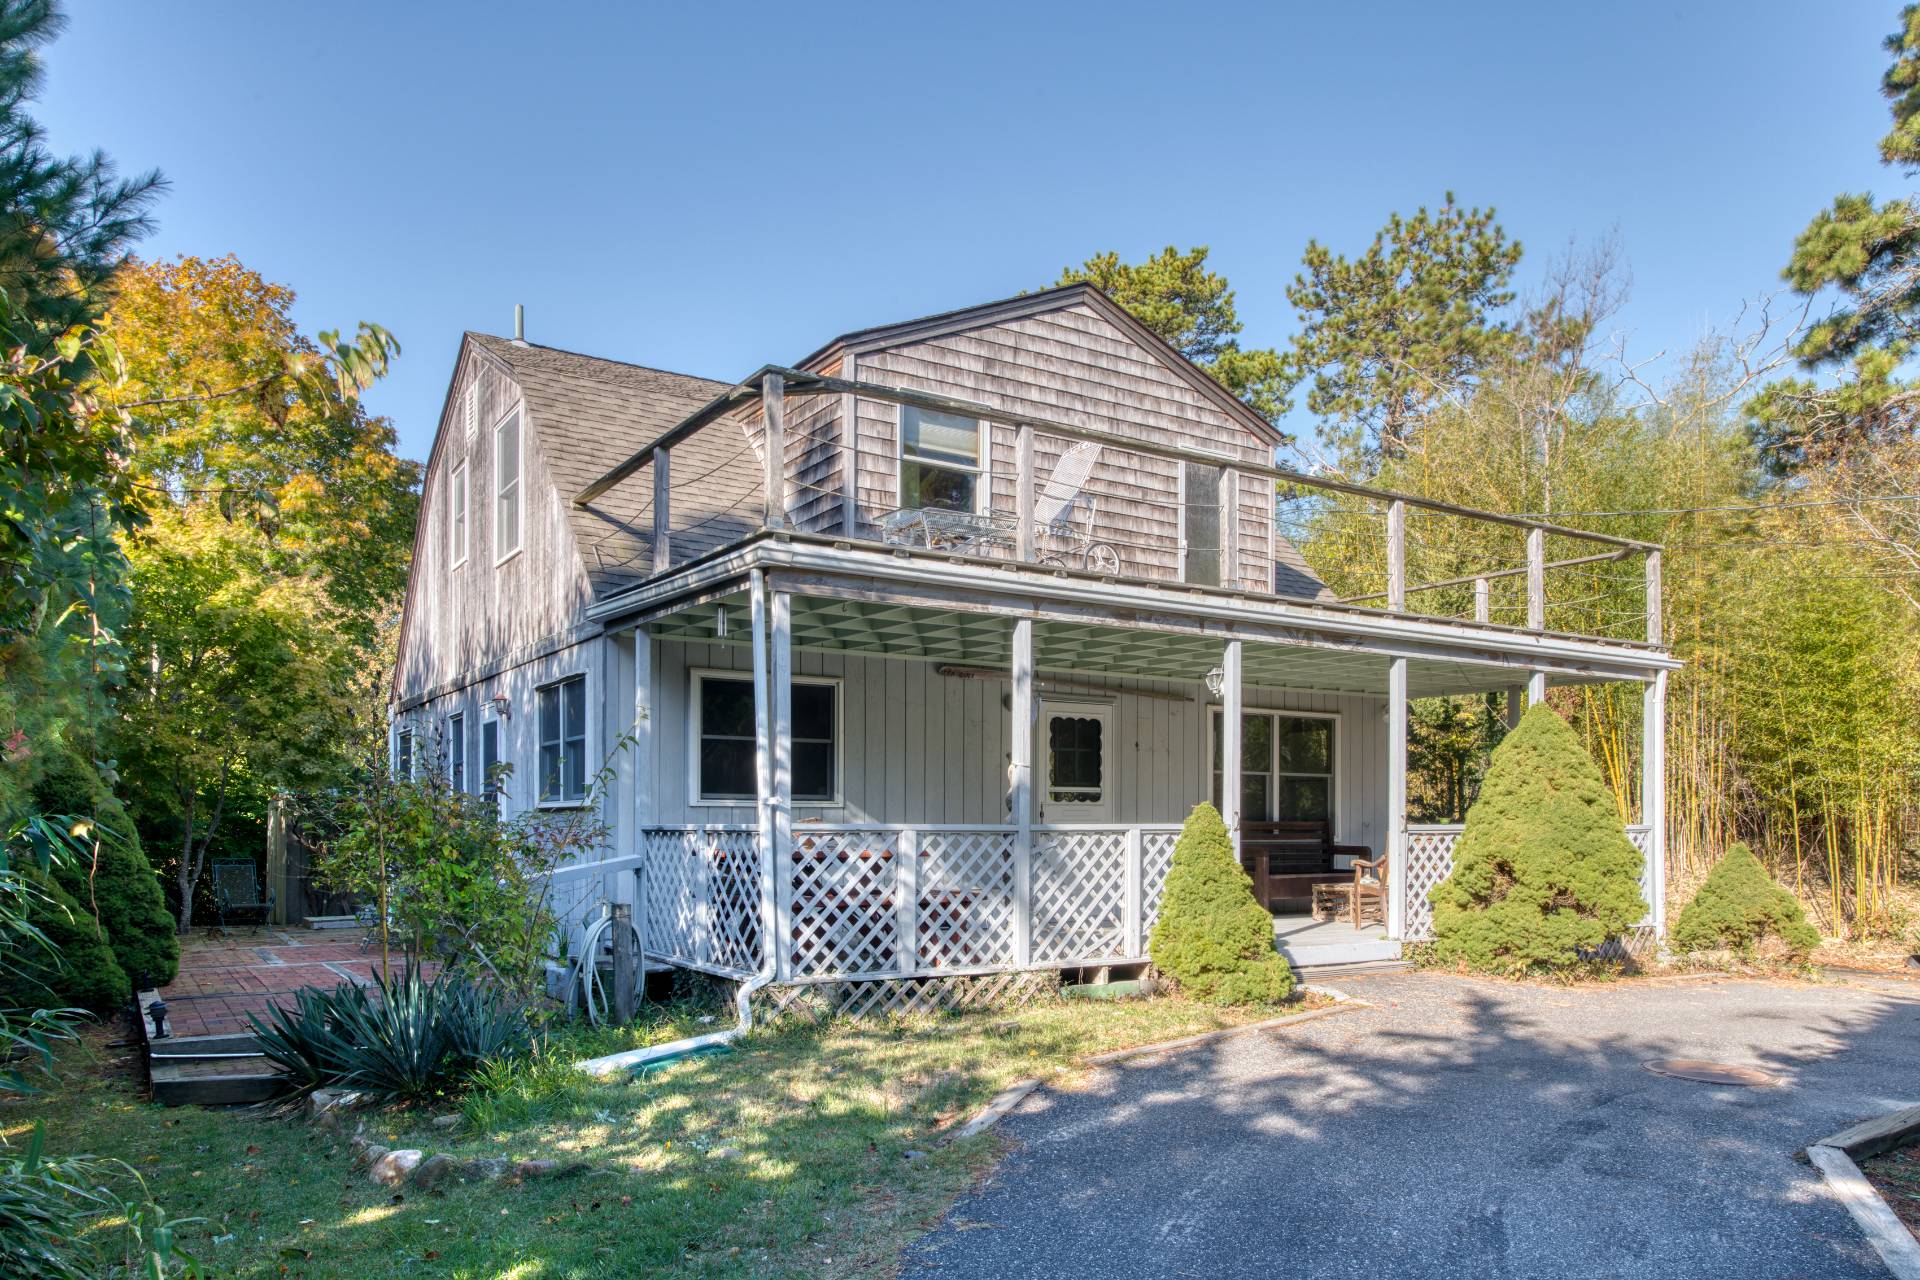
[(960, 771)]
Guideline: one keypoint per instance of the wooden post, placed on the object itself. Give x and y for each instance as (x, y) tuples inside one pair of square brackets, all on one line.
[(623, 964), (1020, 790), (1514, 705), (662, 513), (762, 760), (1397, 798), (1536, 579), (1536, 687), (1230, 704), (1230, 528), (1653, 796), (773, 405), (278, 882), (1654, 627), (849, 456), (643, 766), (780, 890), (906, 902), (1482, 600), (1397, 555), (1023, 493)]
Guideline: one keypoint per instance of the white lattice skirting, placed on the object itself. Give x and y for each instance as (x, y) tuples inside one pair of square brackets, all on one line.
[(1430, 860)]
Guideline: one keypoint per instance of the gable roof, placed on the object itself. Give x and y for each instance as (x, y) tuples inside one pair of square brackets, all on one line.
[(590, 414), (1053, 299)]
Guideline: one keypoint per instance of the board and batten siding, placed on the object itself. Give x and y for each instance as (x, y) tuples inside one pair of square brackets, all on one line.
[(920, 747), (486, 610), (1073, 365)]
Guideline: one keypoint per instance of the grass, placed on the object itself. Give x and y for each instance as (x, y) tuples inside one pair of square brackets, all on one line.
[(822, 1117), (1896, 1176)]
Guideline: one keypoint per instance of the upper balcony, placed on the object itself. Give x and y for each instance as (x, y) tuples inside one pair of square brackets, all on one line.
[(929, 474)]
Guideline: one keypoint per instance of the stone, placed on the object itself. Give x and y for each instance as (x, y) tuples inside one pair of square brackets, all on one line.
[(485, 1168), (392, 1168), (447, 1121), (366, 1153), (534, 1168), (434, 1170)]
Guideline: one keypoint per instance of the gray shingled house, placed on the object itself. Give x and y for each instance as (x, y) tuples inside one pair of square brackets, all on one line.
[(926, 644)]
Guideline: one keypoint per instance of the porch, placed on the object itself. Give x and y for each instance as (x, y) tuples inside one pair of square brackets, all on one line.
[(899, 782)]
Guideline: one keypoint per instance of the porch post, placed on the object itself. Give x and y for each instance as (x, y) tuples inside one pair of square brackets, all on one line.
[(1653, 797), (1397, 798), (643, 811), (763, 757), (781, 890), (1536, 687), (1514, 707), (1020, 789), (1230, 698)]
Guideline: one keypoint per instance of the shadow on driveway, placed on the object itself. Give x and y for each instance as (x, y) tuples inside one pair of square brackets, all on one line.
[(1462, 1128)]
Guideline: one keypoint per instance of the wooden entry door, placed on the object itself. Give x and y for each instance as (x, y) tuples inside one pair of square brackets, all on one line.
[(1077, 778)]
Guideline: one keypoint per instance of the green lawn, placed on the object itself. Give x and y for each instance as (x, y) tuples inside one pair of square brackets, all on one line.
[(823, 1118)]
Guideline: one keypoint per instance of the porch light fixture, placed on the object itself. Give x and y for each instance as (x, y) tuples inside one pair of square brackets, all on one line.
[(720, 622), (502, 706), (1216, 680)]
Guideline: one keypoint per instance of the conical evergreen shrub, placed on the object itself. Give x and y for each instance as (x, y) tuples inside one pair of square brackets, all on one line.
[(75, 969), (1544, 869), (1212, 939), (1739, 907)]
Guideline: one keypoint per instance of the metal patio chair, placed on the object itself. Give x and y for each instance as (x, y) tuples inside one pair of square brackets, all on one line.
[(237, 888), (1063, 512)]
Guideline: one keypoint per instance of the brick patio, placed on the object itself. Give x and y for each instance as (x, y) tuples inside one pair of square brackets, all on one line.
[(224, 976)]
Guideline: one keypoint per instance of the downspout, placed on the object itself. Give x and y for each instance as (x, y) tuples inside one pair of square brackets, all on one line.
[(660, 1054)]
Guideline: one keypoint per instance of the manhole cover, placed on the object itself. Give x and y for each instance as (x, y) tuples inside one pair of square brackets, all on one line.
[(1709, 1072)]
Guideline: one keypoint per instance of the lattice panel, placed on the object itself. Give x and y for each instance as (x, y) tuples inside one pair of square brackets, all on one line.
[(1079, 894), (1156, 858), (966, 916), (1642, 838), (844, 913), (883, 996), (1429, 861), (703, 896), (571, 898)]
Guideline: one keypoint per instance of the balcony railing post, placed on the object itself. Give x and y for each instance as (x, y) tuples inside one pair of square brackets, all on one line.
[(662, 512), (906, 889), (1536, 579), (1654, 620), (773, 403), (1482, 600), (1397, 555), (1230, 528), (1023, 493)]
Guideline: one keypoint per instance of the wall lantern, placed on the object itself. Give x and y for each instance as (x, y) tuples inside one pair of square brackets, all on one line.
[(502, 706), (720, 621), (1216, 681)]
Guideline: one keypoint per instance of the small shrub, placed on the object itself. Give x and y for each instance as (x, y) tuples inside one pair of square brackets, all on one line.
[(505, 1092), (1212, 939), (75, 969), (1739, 907), (1544, 870)]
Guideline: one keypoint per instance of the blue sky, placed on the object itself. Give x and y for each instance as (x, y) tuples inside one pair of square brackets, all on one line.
[(706, 188)]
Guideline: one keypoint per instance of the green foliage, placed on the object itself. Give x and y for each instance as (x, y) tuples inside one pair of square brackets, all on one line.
[(1543, 870), (1213, 939), (411, 1041), (1175, 295), (1407, 324), (75, 969), (1739, 906)]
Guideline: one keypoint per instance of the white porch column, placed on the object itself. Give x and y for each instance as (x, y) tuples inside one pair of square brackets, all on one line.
[(1230, 703), (1653, 796), (765, 782), (1536, 687), (1397, 798), (643, 782), (781, 659), (1020, 790), (1514, 707)]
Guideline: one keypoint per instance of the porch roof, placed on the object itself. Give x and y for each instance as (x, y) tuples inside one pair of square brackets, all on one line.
[(851, 599)]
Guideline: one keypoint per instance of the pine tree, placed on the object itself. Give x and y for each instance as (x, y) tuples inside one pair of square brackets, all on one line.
[(1213, 939), (1544, 870)]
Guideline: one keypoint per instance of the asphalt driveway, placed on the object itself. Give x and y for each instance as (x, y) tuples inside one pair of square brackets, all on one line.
[(1460, 1128)]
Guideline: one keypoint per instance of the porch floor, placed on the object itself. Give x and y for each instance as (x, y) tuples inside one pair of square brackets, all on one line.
[(1310, 943)]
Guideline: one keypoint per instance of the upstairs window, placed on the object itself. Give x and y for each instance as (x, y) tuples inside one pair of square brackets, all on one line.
[(403, 754), (457, 751), (506, 486), (940, 464), (1200, 525), (490, 771), (457, 516), (563, 742), (723, 728)]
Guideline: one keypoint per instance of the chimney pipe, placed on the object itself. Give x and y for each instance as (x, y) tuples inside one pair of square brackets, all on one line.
[(520, 324)]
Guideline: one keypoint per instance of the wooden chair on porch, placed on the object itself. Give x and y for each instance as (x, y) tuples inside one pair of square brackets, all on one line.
[(1286, 860), (1363, 899)]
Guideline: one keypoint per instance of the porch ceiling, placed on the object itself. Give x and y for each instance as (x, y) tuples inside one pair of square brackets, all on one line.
[(985, 640)]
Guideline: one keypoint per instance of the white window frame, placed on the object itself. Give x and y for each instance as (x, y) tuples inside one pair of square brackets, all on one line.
[(1336, 794), (504, 554), (562, 801), (489, 719), (1108, 806), (405, 748), (459, 514), (981, 470), (457, 750), (699, 676)]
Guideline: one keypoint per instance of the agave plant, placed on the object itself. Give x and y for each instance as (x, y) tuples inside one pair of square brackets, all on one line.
[(306, 1041)]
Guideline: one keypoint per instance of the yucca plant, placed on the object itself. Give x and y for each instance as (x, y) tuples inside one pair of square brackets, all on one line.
[(306, 1042), (399, 1047), (482, 1024)]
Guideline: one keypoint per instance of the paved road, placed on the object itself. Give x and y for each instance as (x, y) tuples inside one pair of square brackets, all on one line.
[(1462, 1129)]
